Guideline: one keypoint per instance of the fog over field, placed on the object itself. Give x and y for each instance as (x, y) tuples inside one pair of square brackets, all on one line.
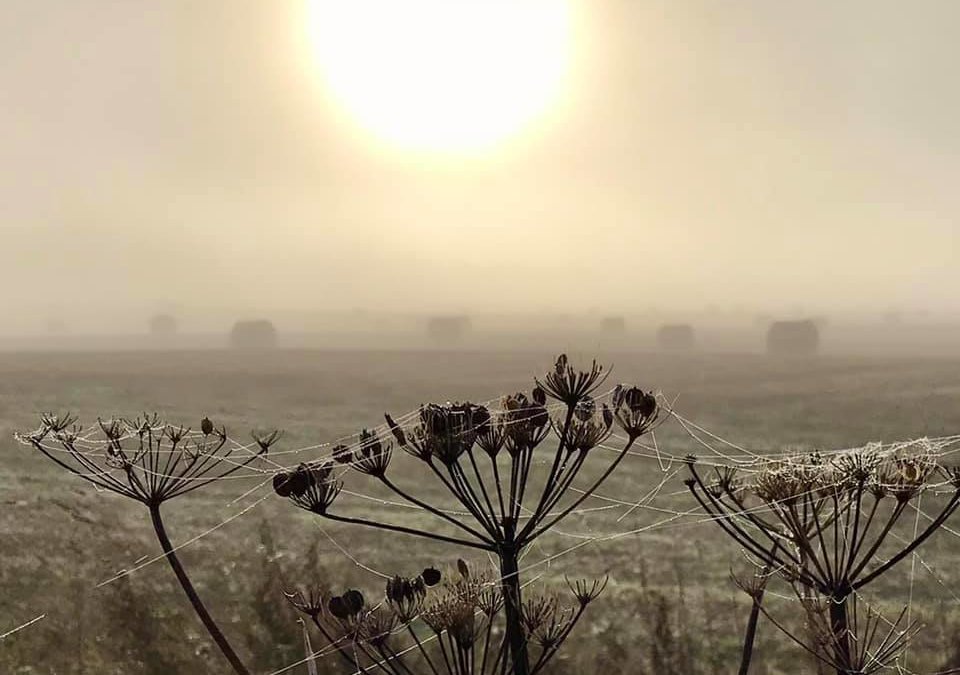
[(769, 157)]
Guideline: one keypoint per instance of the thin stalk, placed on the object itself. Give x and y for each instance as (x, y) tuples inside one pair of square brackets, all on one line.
[(407, 530), (430, 509), (191, 592)]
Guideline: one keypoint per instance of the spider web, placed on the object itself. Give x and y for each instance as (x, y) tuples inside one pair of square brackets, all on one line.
[(653, 458)]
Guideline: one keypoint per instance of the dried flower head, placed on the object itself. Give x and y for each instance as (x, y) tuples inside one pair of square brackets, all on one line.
[(406, 596), (376, 626), (310, 600), (546, 621), (526, 423), (571, 386), (444, 432), (587, 591), (493, 436), (905, 477), (453, 608), (588, 427), (267, 439), (347, 607), (787, 481), (311, 487), (372, 455), (144, 459), (635, 410)]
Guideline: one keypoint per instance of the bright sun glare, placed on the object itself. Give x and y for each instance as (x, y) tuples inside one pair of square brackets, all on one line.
[(442, 75)]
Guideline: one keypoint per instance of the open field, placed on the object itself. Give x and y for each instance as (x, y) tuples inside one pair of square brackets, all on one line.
[(668, 583)]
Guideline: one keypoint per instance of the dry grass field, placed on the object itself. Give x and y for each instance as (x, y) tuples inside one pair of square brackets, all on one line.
[(670, 607)]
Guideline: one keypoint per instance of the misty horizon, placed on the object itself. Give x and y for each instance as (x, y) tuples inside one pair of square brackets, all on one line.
[(187, 158)]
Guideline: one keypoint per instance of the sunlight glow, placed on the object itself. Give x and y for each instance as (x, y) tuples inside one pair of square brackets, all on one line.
[(442, 75)]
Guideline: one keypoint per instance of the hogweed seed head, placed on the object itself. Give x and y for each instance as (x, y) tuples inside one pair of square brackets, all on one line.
[(376, 626), (526, 423), (406, 596), (311, 600), (143, 459), (635, 410), (266, 440), (571, 386), (372, 457), (588, 428), (446, 432), (311, 487), (587, 591)]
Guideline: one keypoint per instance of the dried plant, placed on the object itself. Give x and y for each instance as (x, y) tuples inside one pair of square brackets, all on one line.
[(865, 647), (151, 462), (449, 619), (497, 469), (821, 524)]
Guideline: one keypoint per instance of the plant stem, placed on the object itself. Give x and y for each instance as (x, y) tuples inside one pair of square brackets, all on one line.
[(191, 592), (512, 600), (841, 637), (751, 635)]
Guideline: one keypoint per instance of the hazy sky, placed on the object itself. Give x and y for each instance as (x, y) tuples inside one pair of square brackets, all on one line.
[(754, 153)]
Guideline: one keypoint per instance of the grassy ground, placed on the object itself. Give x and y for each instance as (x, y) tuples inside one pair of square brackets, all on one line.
[(670, 607)]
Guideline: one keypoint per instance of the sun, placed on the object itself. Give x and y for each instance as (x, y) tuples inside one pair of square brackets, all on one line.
[(443, 76)]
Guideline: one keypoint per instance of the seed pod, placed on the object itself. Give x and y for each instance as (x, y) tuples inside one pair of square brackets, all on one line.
[(338, 607), (539, 395), (206, 426), (462, 568), (607, 416), (353, 601), (481, 418), (585, 409), (396, 430), (281, 484), (431, 576), (342, 454), (299, 481)]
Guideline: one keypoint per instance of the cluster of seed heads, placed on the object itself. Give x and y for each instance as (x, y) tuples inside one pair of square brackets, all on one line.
[(312, 487)]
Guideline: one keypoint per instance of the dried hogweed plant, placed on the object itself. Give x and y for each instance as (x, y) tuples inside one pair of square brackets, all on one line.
[(509, 484), (151, 462), (825, 525), (446, 621)]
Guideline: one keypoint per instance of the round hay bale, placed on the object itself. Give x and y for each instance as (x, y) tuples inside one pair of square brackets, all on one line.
[(676, 337), (255, 334), (793, 338), (613, 325)]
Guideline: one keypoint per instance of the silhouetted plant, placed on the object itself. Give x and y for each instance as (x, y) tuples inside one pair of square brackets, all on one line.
[(151, 462), (485, 460), (451, 619), (820, 523)]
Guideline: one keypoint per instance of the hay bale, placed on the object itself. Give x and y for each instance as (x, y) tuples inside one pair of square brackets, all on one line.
[(676, 337), (613, 325), (447, 329), (163, 325), (793, 338), (255, 334)]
